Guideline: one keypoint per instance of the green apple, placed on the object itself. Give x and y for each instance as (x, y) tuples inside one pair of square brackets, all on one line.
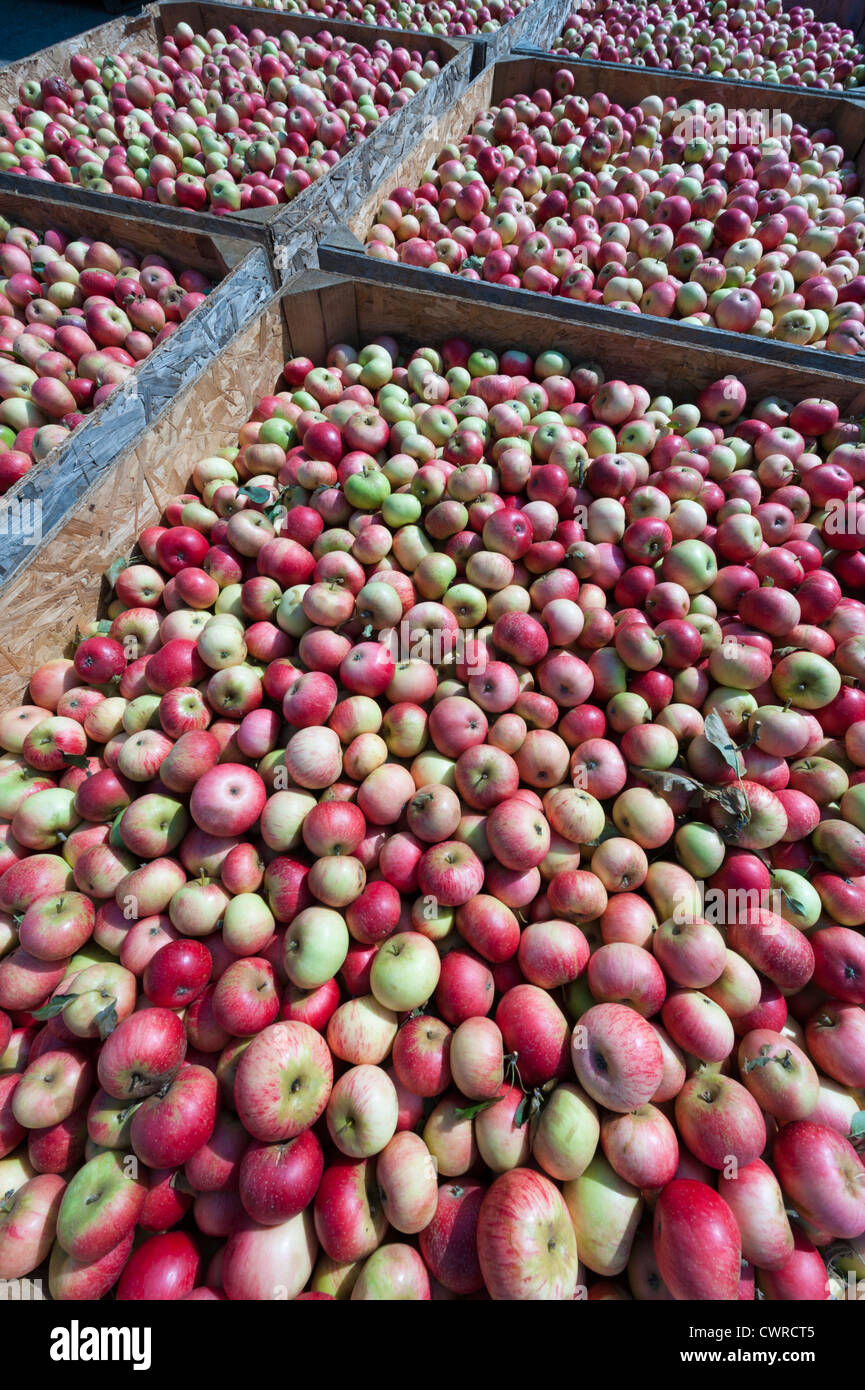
[(566, 1134), (405, 971), (316, 945), (605, 1211)]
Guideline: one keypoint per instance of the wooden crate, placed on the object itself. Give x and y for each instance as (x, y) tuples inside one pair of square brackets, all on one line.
[(538, 24), (306, 215), (343, 249), (850, 14), (62, 586), (244, 283)]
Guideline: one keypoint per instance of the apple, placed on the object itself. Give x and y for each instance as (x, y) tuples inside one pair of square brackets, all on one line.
[(246, 997), (283, 1081), (821, 1173), (605, 1211), (362, 1111), (142, 1054), (406, 1176), (362, 1031), (476, 1058), (269, 1262), (165, 1267), (779, 1074), (27, 1224), (617, 1057), (720, 1121), (448, 1242), (167, 1129), (641, 1147), (421, 1055), (73, 1280), (53, 1085), (525, 1240), (100, 1206), (405, 971), (690, 1220), (350, 1222), (802, 1277), (757, 1203)]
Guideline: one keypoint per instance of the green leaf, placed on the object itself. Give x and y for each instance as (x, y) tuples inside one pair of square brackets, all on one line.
[(255, 494), (763, 1058), (716, 733), (531, 1105), (115, 569), (468, 1112), (670, 781), (78, 760), (106, 1020), (857, 1125), (524, 1110), (734, 800), (180, 1183), (53, 1007)]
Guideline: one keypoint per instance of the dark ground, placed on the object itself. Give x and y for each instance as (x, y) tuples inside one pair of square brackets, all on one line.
[(26, 26)]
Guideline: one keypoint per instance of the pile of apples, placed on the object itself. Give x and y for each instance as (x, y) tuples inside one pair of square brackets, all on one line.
[(221, 122), (76, 316), (671, 210), (441, 873), (445, 17), (755, 40)]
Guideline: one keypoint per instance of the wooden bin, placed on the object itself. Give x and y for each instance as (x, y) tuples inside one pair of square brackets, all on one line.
[(537, 25), (343, 251), (850, 14), (61, 585), (244, 284), (307, 214)]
